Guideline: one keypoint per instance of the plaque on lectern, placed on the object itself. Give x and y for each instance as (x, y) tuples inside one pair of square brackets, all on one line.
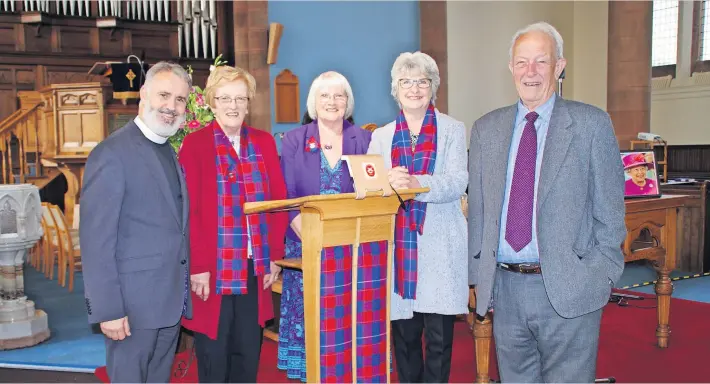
[(126, 78), (369, 174)]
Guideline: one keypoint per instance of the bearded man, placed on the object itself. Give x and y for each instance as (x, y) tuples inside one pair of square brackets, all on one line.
[(134, 234)]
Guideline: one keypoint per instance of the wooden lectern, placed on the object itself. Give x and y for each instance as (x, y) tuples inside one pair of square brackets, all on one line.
[(364, 229)]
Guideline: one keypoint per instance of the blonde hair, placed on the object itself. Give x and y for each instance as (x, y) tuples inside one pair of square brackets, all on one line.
[(323, 80), (226, 74)]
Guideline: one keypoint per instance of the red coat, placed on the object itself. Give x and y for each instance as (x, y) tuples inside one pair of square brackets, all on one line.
[(197, 157)]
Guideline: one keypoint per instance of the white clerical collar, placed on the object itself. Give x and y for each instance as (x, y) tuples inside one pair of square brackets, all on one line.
[(150, 135)]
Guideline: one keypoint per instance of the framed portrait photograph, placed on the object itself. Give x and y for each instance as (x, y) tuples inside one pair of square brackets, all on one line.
[(640, 173)]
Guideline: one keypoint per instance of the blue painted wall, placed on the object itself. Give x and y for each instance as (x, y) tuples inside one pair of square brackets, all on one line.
[(359, 39)]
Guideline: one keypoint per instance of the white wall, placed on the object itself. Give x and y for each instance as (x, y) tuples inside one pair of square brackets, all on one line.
[(479, 35), (681, 114)]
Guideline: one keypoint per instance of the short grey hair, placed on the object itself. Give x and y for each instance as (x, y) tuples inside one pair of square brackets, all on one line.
[(165, 66), (407, 62), (545, 28), (323, 80)]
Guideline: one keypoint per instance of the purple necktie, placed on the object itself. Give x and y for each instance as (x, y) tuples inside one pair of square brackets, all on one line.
[(518, 227)]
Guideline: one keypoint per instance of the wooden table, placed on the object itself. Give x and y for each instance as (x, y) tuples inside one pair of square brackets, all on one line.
[(652, 219)]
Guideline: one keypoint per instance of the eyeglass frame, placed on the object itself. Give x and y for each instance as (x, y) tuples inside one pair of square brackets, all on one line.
[(420, 82), (226, 100), (325, 97)]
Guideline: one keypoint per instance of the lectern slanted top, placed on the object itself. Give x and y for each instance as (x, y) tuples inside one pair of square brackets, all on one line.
[(345, 240)]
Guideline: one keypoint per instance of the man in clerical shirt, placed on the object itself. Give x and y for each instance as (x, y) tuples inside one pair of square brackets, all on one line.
[(133, 231)]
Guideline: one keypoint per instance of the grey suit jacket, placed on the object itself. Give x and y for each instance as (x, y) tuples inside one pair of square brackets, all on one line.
[(134, 246), (580, 207)]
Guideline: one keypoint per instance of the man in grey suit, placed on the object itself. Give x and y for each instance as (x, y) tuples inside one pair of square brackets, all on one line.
[(546, 219), (134, 238)]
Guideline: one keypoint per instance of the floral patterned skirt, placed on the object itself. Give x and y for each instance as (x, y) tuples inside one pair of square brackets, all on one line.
[(292, 340)]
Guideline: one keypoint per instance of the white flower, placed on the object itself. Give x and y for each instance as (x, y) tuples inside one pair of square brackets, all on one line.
[(212, 68)]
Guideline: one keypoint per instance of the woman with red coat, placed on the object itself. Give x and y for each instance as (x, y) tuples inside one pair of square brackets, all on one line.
[(227, 164)]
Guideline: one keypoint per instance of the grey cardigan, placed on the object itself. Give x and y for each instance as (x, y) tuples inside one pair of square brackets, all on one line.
[(442, 268)]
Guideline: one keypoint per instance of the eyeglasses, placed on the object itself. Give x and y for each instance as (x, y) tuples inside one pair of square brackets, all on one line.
[(338, 97), (226, 100), (421, 83)]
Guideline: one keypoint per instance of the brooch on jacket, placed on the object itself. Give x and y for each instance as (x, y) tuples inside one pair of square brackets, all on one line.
[(312, 145)]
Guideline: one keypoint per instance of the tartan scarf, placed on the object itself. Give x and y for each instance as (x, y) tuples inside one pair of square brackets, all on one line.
[(240, 178), (410, 220)]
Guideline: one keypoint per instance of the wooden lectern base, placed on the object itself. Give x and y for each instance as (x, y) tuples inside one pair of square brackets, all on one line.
[(346, 264)]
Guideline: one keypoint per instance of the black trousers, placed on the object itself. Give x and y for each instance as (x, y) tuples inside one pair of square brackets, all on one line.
[(234, 356), (438, 333)]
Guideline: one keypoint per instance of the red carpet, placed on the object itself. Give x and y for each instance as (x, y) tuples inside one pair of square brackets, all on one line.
[(627, 349)]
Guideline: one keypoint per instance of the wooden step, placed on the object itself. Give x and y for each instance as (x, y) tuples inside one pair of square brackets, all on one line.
[(277, 286), (294, 263), (271, 335)]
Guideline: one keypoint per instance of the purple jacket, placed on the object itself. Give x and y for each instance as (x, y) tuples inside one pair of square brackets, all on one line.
[(301, 168)]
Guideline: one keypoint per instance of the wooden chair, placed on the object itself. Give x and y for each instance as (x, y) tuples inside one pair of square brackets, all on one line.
[(69, 248), (44, 245), (370, 127), (51, 250), (36, 252), (75, 220)]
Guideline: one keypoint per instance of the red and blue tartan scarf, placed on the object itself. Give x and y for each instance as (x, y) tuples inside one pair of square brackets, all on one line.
[(240, 178), (410, 220)]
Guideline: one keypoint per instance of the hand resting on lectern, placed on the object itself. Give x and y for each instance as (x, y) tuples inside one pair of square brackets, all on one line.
[(399, 177)]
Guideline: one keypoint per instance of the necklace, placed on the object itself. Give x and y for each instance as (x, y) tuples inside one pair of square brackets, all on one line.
[(328, 147)]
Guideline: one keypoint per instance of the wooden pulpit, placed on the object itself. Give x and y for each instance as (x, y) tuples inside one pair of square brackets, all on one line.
[(347, 242)]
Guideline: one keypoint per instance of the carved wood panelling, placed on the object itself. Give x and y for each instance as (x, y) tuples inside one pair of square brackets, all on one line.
[(77, 99), (693, 226), (7, 37), (12, 80), (6, 76), (153, 43), (61, 50), (7, 103), (25, 76), (111, 42), (76, 40), (37, 42), (80, 131)]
